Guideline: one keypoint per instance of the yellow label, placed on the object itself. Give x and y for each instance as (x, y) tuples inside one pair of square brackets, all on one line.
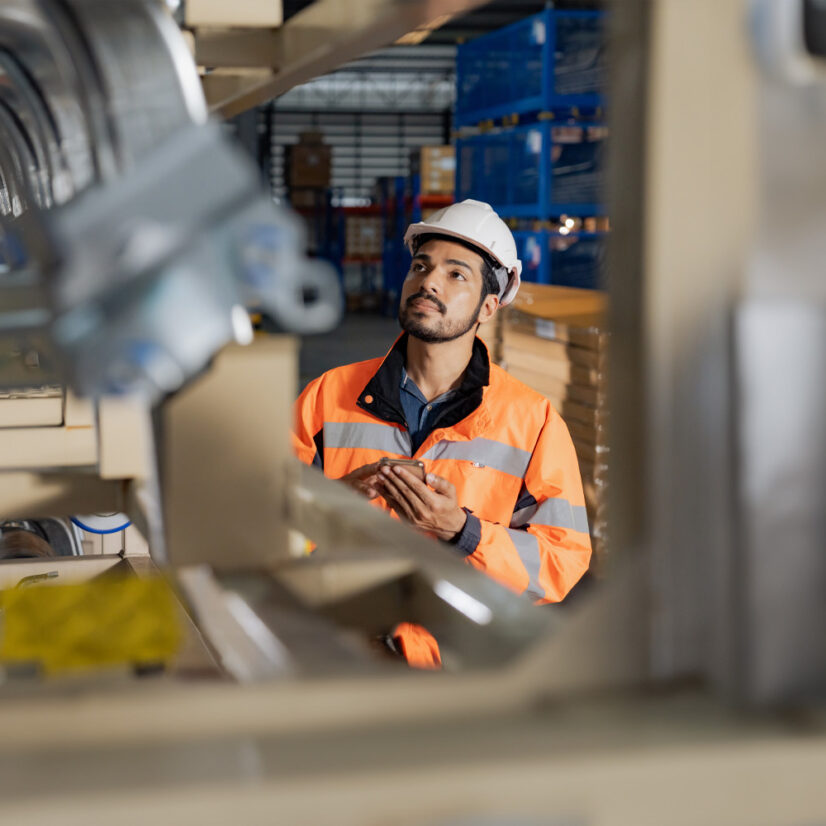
[(90, 625)]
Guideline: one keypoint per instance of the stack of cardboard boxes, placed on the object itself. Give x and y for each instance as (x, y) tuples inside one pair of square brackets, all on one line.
[(554, 339), (436, 168), (308, 164)]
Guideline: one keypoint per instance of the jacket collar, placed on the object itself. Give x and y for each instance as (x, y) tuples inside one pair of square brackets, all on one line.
[(381, 395)]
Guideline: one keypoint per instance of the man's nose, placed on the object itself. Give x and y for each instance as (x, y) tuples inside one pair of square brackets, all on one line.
[(432, 282)]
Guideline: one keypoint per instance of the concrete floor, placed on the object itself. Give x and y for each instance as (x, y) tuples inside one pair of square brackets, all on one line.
[(360, 336)]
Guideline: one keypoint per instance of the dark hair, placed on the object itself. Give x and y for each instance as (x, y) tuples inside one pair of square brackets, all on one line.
[(490, 284)]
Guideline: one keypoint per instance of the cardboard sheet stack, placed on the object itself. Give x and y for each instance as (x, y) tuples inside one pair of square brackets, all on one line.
[(554, 339)]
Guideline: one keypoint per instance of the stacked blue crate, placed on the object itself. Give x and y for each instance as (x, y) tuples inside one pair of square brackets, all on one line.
[(573, 259), (552, 61), (550, 69), (530, 172)]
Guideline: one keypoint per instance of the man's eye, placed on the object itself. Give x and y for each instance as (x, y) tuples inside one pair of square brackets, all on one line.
[(457, 274), (418, 267)]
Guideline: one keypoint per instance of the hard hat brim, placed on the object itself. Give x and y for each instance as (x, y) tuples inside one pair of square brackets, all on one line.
[(422, 228)]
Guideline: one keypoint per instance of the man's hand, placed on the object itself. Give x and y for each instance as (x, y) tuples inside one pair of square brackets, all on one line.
[(433, 510), (363, 480)]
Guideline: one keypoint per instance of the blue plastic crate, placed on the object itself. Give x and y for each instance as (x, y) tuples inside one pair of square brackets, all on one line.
[(532, 172), (572, 260), (554, 60)]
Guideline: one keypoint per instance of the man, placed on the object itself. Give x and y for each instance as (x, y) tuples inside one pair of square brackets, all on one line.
[(503, 487)]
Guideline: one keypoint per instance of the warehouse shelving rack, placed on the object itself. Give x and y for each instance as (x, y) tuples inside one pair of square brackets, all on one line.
[(551, 62), (524, 172), (539, 79), (325, 227), (423, 203), (394, 197)]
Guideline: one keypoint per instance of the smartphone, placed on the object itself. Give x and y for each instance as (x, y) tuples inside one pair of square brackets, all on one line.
[(413, 465)]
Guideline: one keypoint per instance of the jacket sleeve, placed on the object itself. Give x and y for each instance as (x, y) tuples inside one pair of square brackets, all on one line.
[(308, 425), (546, 547)]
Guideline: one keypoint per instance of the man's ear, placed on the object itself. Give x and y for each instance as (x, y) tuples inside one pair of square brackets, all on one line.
[(488, 309)]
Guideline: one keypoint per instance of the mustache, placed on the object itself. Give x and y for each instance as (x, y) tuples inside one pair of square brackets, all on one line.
[(425, 297)]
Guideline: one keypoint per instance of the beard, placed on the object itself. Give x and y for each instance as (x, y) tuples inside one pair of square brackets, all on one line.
[(434, 330)]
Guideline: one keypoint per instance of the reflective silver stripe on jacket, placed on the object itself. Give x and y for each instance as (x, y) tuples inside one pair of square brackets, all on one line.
[(497, 455), (553, 513), (367, 436), (527, 546)]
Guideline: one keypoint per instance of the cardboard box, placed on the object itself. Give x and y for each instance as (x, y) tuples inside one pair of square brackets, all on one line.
[(309, 165), (308, 198), (551, 349), (560, 369), (594, 417), (554, 339), (437, 170), (586, 331), (559, 303), (363, 236), (587, 451), (555, 388)]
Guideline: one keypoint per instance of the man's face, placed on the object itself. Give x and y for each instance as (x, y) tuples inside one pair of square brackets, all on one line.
[(442, 295)]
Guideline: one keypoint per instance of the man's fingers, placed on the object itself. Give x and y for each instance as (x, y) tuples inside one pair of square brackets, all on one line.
[(394, 504), (401, 494), (440, 485), (399, 505), (365, 486), (400, 478), (418, 488)]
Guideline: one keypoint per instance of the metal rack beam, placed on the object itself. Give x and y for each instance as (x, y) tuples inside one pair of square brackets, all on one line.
[(247, 68)]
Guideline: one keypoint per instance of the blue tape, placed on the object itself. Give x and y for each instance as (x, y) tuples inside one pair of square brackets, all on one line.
[(83, 527)]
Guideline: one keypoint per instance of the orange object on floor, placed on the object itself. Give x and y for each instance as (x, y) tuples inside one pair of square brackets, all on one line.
[(418, 645)]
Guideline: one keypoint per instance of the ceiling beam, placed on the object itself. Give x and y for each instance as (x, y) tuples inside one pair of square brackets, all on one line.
[(256, 66)]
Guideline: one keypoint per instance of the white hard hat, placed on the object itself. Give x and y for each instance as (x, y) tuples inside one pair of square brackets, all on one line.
[(476, 223)]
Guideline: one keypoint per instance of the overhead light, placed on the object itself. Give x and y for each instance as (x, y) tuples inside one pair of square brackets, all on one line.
[(421, 33)]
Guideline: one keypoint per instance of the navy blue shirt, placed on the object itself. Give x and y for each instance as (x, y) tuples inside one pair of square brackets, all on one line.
[(419, 413)]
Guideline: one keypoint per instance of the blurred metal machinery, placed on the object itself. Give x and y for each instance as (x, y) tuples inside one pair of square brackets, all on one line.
[(133, 235)]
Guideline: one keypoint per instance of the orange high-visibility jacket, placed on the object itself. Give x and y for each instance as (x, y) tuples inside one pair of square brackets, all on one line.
[(502, 445)]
